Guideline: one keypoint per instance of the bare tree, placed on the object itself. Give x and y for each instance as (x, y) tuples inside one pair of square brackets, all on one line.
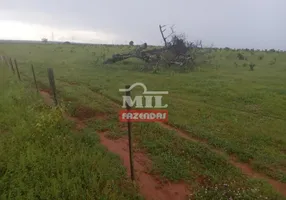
[(162, 33)]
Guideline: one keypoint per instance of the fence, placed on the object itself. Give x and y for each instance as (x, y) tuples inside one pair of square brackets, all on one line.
[(50, 74), (8, 61)]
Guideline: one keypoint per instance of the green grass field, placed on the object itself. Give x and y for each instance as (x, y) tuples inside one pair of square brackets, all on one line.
[(223, 106)]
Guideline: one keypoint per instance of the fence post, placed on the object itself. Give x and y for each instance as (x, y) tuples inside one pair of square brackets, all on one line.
[(128, 93), (34, 76), (6, 61), (52, 84), (2, 60), (11, 65), (18, 73)]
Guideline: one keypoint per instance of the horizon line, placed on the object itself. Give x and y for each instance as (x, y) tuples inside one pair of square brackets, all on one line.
[(54, 41)]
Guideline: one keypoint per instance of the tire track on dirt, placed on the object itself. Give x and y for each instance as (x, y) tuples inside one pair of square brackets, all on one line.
[(150, 186)]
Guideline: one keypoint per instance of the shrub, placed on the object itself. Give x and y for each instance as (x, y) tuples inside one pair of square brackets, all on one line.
[(251, 66)]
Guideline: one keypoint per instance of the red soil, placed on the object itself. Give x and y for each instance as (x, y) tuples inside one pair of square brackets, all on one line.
[(150, 187), (47, 97), (83, 113), (79, 124)]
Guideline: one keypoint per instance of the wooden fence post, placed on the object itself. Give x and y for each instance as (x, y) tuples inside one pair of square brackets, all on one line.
[(128, 93), (11, 65), (18, 73), (34, 76), (52, 84), (7, 62)]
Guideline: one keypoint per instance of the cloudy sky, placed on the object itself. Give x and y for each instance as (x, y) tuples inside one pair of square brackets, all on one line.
[(232, 23)]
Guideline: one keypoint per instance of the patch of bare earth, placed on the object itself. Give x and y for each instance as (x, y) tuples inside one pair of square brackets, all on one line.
[(46, 94), (122, 127), (3, 132), (83, 113), (79, 124), (151, 187), (73, 83)]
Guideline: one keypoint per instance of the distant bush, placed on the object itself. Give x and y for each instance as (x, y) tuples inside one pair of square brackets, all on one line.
[(240, 56), (131, 43), (251, 66), (272, 62), (260, 57)]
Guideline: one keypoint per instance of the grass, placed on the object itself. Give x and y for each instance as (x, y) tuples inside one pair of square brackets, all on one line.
[(239, 111), (40, 158)]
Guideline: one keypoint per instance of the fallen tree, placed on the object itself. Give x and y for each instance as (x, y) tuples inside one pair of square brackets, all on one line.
[(176, 51)]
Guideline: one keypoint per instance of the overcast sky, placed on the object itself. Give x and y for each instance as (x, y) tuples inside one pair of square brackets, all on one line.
[(231, 23)]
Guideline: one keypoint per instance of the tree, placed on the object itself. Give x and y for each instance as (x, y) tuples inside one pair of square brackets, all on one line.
[(131, 43), (44, 40)]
